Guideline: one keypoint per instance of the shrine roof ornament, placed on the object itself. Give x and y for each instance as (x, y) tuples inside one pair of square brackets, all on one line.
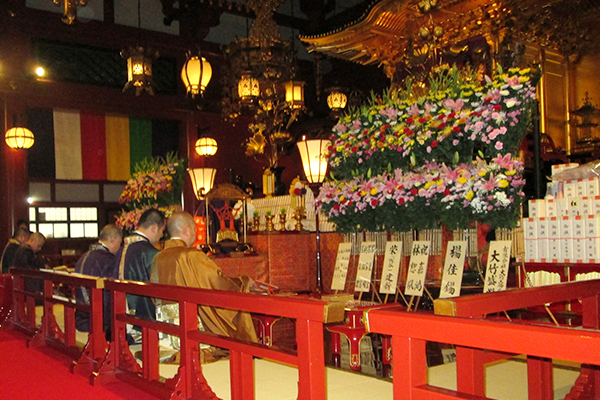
[(405, 32)]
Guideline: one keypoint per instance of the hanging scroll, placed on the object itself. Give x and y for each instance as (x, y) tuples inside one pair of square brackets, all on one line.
[(498, 261), (453, 269), (391, 267), (417, 268), (340, 272), (365, 267)]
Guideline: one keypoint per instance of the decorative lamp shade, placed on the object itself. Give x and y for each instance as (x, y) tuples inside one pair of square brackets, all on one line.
[(294, 94), (337, 100), (202, 180), (312, 153), (196, 74), (139, 69), (248, 88), (19, 138), (206, 146)]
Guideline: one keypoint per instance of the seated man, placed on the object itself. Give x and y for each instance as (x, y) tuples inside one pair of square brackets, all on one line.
[(182, 265), (98, 261), (19, 238), (26, 257)]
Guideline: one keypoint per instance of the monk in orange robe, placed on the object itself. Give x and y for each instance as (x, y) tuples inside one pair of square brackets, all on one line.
[(182, 265)]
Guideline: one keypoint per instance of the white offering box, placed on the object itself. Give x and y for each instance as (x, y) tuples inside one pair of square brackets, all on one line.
[(574, 204), (581, 187), (592, 187), (592, 240), (569, 189), (542, 232), (566, 239), (585, 206), (554, 254), (531, 243), (551, 208), (595, 205), (578, 239), (562, 206), (561, 167), (537, 208)]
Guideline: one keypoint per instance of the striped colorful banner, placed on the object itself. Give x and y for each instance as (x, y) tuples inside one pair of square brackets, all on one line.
[(77, 145)]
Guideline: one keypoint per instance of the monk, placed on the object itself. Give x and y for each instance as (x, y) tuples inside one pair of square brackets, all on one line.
[(182, 265)]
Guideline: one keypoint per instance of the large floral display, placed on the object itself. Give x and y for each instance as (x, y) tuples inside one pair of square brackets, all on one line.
[(404, 161), (156, 183)]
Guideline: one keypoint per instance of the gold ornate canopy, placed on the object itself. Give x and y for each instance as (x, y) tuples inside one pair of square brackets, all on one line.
[(397, 33)]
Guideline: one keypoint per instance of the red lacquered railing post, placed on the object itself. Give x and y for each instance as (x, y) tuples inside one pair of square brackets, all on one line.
[(409, 364), (540, 379), (96, 336), (470, 371), (242, 375), (311, 360)]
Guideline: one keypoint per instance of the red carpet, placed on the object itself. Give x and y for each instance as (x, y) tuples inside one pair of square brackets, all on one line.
[(43, 373)]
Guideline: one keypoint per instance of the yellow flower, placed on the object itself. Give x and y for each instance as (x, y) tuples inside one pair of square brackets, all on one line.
[(469, 195)]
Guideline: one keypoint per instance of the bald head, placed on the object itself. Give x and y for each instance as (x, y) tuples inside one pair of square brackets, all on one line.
[(111, 237), (36, 241), (182, 225)]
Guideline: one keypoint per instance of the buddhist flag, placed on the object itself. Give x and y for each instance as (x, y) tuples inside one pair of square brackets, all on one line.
[(88, 146)]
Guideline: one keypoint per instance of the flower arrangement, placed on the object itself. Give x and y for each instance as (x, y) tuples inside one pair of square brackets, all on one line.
[(156, 183), (403, 162)]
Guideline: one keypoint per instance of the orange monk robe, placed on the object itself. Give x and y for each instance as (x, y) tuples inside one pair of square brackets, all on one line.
[(180, 265)]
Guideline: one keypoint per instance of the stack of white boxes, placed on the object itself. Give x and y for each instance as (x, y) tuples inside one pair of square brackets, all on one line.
[(565, 229)]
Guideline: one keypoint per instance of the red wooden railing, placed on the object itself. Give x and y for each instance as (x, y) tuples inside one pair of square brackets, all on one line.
[(6, 298), (471, 362), (49, 332), (410, 332), (117, 362), (310, 315)]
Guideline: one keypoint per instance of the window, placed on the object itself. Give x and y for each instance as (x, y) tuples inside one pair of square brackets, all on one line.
[(65, 222)]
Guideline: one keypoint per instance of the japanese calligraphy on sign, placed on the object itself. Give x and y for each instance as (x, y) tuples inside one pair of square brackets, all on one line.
[(365, 267), (391, 267), (496, 274), (417, 268), (340, 271), (453, 269)]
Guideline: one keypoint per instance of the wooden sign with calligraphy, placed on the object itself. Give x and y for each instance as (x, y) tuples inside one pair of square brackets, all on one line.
[(454, 265), (391, 267), (340, 271), (365, 267), (417, 268), (496, 273)]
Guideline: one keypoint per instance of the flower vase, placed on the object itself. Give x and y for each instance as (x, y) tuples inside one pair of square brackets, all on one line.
[(269, 223)]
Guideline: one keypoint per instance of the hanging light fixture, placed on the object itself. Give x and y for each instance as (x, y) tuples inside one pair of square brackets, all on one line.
[(139, 65), (202, 180), (139, 69), (248, 88), (294, 94), (337, 99), (206, 146), (195, 74), (19, 138)]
